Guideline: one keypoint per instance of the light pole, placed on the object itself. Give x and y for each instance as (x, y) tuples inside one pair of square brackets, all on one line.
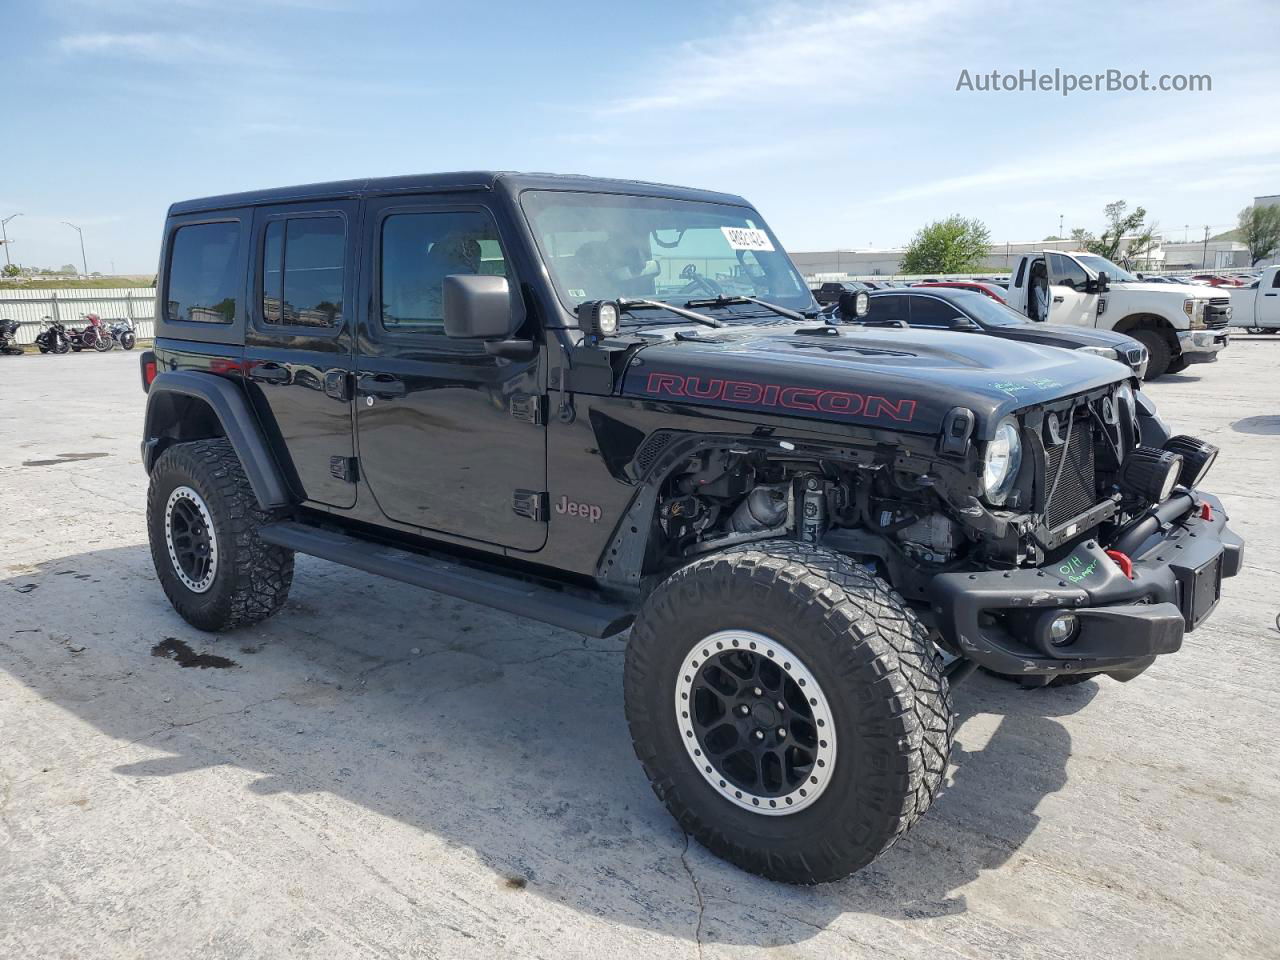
[(4, 237), (83, 262)]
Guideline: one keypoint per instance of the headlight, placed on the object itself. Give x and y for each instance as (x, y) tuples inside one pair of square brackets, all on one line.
[(1001, 462), (1109, 352), (1129, 411), (1194, 309)]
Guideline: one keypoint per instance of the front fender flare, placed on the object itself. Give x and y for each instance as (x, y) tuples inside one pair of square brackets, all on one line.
[(229, 405)]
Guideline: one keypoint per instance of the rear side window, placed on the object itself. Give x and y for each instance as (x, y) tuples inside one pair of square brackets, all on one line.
[(931, 312), (887, 309), (302, 262), (203, 274), (419, 250)]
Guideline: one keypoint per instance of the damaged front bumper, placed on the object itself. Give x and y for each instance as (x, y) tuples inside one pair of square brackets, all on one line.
[(1002, 619)]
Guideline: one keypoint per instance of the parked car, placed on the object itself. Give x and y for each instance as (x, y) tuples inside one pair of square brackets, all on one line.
[(945, 308), (515, 389), (1178, 324), (1218, 280), (986, 289), (1257, 306)]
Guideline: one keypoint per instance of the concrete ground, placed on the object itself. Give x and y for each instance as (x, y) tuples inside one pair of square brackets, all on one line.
[(384, 772)]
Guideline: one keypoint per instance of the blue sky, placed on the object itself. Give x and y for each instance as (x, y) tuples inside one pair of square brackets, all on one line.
[(840, 121)]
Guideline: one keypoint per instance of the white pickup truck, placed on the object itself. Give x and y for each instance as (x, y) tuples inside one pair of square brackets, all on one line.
[(1178, 324), (1257, 306)]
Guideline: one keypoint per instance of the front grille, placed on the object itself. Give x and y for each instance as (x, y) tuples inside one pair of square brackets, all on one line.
[(1217, 313), (1135, 355), (1077, 489)]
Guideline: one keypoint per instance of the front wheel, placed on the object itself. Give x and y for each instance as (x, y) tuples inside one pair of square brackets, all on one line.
[(789, 709), (203, 522), (128, 340), (1158, 349), (103, 343)]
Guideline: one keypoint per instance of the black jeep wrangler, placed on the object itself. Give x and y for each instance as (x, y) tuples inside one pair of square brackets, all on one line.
[(603, 404)]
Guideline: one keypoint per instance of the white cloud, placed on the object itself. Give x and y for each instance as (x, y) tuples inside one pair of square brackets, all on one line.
[(155, 47), (795, 49), (1162, 148)]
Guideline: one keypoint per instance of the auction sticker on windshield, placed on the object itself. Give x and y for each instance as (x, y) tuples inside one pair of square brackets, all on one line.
[(747, 238)]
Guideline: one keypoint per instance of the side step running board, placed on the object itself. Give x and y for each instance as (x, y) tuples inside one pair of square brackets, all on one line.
[(592, 617)]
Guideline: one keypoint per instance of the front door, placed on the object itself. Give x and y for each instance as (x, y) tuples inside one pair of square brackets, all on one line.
[(450, 438), (1268, 302), (1068, 287), (297, 355)]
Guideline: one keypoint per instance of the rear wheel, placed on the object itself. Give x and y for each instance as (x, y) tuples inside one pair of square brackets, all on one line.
[(788, 708), (1158, 348), (203, 522)]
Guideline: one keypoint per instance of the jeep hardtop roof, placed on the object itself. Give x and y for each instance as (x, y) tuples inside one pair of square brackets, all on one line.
[(508, 181)]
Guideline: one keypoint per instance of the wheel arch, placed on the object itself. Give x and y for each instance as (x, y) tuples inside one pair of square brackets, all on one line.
[(1148, 321), (185, 405)]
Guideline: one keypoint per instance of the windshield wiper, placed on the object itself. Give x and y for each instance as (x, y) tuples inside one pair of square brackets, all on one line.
[(678, 311), (726, 301)]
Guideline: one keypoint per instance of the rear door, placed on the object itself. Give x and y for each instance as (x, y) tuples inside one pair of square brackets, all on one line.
[(450, 438), (298, 343), (1068, 286)]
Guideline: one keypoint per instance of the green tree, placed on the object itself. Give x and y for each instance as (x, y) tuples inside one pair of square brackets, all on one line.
[(68, 268), (954, 245), (12, 270), (1260, 231), (1121, 224)]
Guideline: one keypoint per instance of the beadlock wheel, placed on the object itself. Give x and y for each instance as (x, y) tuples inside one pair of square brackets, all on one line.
[(755, 722), (189, 535)]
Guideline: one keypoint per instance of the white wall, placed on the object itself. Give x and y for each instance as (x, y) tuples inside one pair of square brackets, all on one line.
[(69, 306)]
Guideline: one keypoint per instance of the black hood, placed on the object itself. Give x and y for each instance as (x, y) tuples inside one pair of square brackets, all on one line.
[(893, 379), (1062, 335)]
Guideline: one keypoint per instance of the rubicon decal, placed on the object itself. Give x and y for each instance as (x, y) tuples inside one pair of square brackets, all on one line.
[(747, 393)]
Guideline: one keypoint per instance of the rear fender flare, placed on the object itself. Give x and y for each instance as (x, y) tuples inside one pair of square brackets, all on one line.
[(231, 409)]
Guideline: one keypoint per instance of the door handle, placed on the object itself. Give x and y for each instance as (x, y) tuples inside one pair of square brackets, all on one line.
[(269, 373), (380, 384), (1268, 294), (1058, 299)]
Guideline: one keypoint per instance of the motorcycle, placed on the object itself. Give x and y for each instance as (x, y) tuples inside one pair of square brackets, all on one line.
[(122, 333), (94, 336), (52, 337), (9, 338)]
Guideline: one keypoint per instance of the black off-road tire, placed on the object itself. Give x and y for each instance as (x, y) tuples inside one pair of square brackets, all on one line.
[(881, 676), (252, 578), (1159, 350)]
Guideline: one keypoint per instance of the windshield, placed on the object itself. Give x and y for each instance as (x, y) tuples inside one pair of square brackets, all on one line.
[(599, 246), (992, 313), (1097, 264)]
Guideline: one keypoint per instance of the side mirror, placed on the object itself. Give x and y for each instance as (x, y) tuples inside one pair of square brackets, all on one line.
[(1104, 282), (965, 324), (477, 307)]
